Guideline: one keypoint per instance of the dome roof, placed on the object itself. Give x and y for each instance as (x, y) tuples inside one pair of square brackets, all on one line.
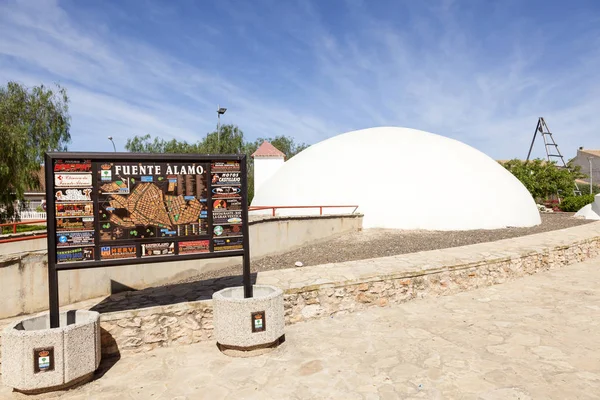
[(402, 178)]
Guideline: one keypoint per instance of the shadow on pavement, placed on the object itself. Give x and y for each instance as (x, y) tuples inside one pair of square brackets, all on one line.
[(168, 294)]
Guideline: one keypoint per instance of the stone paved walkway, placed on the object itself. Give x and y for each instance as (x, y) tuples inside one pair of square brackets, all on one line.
[(534, 338)]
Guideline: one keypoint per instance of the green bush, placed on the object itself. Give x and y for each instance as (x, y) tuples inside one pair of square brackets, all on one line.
[(23, 228), (575, 203)]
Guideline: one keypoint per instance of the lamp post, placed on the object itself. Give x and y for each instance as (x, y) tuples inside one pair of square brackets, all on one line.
[(220, 110), (113, 143), (591, 175)]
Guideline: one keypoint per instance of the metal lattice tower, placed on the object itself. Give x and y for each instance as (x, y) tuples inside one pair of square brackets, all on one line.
[(553, 154)]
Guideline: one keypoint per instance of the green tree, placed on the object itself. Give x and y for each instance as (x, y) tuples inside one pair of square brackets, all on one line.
[(230, 140), (143, 144), (32, 122), (544, 179)]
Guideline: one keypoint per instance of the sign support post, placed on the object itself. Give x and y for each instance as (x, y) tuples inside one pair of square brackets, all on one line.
[(246, 235), (53, 299)]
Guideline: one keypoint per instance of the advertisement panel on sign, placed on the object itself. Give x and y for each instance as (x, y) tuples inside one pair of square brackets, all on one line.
[(115, 252), (158, 249), (73, 180), (74, 254), (227, 204), (225, 166), (227, 230), (73, 166), (73, 195), (226, 178), (227, 217), (223, 192), (77, 238), (75, 224), (228, 244), (194, 247), (75, 209)]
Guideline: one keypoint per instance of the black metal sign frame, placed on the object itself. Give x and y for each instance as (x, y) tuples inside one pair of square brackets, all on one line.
[(97, 158)]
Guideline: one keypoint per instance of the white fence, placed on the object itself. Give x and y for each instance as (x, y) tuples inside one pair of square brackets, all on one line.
[(32, 215)]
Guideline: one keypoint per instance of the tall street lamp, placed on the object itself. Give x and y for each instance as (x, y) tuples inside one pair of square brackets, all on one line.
[(591, 174), (113, 143), (220, 110)]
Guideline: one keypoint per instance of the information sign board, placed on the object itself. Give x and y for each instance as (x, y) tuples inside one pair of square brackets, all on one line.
[(112, 209)]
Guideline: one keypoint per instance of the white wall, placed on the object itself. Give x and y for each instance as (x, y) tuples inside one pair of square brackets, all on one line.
[(264, 168), (24, 276)]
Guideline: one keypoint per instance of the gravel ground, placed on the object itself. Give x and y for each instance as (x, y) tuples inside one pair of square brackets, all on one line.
[(372, 243)]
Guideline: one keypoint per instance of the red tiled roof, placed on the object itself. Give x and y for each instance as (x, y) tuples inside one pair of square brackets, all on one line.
[(267, 150), (41, 175)]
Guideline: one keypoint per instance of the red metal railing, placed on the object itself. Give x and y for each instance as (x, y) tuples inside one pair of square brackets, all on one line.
[(274, 208), (14, 230)]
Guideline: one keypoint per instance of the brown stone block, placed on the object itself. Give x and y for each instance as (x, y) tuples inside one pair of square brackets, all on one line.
[(313, 300), (155, 335), (364, 298)]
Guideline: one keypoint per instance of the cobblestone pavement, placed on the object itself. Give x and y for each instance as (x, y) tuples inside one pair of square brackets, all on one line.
[(533, 338)]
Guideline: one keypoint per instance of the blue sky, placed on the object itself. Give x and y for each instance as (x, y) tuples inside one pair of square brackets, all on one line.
[(478, 71)]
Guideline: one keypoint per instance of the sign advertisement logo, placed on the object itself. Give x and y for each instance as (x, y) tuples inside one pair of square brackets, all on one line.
[(72, 180), (73, 195), (106, 175), (114, 252), (194, 247), (43, 359), (158, 249), (258, 321), (75, 254)]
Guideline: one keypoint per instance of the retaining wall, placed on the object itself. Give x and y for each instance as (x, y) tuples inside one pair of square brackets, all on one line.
[(24, 276), (334, 289)]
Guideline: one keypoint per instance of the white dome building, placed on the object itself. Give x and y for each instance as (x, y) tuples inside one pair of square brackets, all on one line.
[(402, 179)]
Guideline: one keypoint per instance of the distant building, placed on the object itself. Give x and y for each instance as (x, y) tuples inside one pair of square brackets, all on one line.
[(35, 199), (583, 160), (267, 160)]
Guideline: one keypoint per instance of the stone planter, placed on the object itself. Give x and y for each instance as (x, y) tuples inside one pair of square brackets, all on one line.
[(251, 326), (37, 359)]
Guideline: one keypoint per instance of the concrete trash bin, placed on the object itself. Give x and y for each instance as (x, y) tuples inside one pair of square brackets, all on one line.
[(248, 326), (38, 359)]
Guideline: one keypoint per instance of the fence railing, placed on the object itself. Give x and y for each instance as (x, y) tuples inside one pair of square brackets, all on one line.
[(13, 228), (37, 215), (275, 208)]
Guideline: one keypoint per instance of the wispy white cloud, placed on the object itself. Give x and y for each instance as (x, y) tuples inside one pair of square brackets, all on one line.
[(299, 69)]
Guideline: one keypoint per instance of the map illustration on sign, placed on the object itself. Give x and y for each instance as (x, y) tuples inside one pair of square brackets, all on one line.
[(159, 200)]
